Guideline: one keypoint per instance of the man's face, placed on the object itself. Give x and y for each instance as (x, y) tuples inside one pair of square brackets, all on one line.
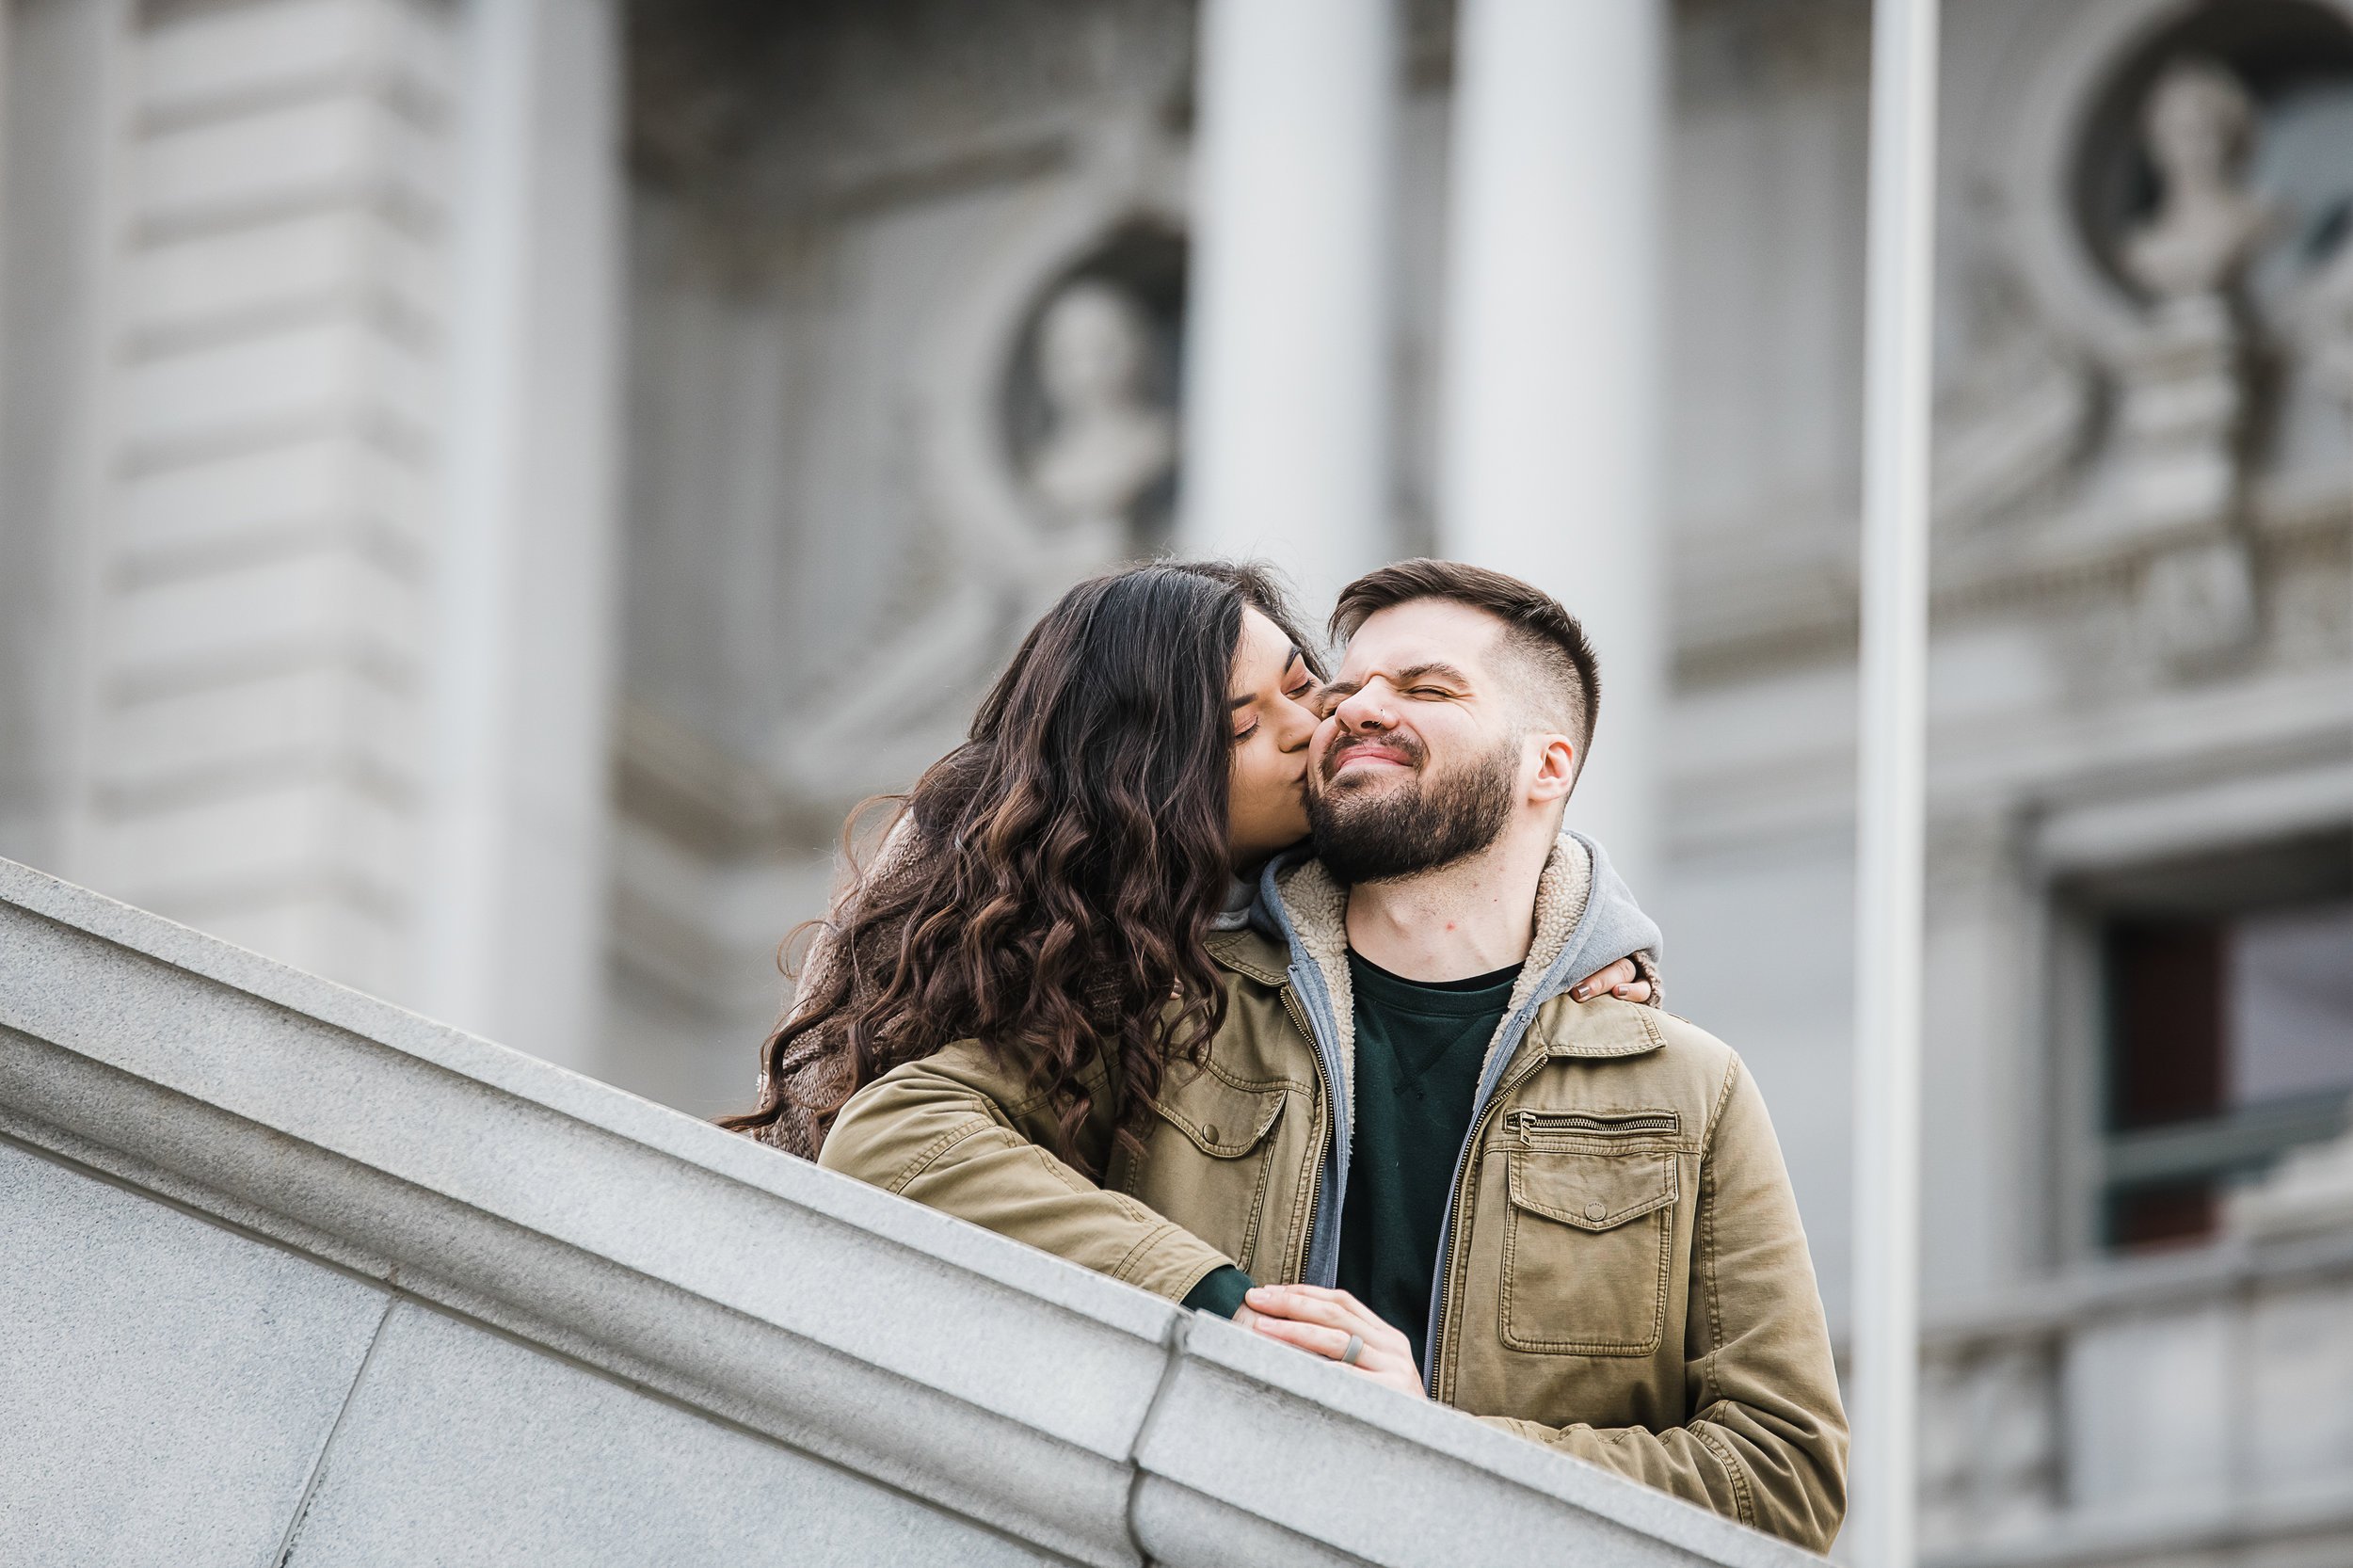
[(1419, 759)]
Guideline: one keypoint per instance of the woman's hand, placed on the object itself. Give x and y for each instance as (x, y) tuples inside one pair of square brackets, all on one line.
[(1322, 1321), (1621, 980)]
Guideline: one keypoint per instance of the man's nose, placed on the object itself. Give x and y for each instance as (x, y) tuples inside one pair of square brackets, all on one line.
[(1366, 708)]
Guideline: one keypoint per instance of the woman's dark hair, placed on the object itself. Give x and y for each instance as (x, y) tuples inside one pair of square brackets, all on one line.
[(1049, 888)]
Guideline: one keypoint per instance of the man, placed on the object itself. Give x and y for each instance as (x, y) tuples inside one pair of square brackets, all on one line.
[(1561, 1212), (1571, 1221)]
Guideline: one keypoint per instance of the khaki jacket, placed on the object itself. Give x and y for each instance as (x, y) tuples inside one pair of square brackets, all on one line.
[(1625, 1276)]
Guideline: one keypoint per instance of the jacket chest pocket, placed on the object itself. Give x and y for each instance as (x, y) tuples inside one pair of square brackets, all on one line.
[(1208, 1165), (1587, 1249)]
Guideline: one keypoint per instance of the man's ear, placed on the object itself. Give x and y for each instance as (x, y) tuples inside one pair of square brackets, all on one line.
[(1556, 769)]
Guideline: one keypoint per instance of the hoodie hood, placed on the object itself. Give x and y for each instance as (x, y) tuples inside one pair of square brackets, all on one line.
[(1239, 896)]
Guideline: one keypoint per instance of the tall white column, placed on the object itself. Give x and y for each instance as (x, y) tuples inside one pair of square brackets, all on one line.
[(513, 941), (1286, 452), (233, 435), (1547, 445), (1891, 784), (61, 84)]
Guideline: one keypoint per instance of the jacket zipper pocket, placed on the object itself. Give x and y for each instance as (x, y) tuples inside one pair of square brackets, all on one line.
[(1534, 1128)]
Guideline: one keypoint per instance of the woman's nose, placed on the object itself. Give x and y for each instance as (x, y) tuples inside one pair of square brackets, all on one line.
[(1294, 725)]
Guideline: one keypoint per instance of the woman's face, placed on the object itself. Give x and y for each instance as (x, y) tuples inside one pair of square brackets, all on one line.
[(1274, 703)]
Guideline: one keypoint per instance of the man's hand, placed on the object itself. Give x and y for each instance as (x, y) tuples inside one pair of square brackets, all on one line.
[(1621, 980), (1321, 1323)]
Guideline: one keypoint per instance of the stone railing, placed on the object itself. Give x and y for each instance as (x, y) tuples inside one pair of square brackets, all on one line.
[(294, 1276), (2191, 1408)]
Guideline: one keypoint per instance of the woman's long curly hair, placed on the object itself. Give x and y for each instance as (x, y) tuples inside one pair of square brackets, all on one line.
[(1049, 886)]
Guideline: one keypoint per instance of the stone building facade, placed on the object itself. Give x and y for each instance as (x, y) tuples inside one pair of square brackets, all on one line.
[(487, 487)]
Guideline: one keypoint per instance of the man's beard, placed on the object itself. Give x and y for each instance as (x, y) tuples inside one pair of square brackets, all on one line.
[(1372, 834)]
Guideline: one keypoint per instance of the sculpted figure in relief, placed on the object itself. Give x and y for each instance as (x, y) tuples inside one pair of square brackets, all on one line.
[(1106, 444), (1109, 443), (2198, 124)]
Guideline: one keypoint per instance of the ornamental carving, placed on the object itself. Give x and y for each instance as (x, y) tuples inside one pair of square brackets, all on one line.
[(2152, 269)]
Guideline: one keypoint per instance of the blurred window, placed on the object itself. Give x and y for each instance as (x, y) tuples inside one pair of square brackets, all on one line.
[(2228, 1040)]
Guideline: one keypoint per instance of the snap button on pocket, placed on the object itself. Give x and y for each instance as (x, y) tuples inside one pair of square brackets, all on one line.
[(1596, 1211), (1220, 1119)]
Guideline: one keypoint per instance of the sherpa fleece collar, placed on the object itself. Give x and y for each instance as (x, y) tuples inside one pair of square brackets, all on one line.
[(1316, 906)]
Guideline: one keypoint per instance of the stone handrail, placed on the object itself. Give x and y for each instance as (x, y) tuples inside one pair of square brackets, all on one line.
[(295, 1275)]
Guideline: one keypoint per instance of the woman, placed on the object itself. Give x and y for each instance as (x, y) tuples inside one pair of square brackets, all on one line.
[(1031, 956)]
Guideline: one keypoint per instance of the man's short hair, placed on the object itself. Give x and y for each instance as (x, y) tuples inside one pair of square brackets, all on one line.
[(1543, 634)]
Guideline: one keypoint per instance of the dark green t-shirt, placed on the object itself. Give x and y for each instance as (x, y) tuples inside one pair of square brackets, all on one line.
[(1418, 1050)]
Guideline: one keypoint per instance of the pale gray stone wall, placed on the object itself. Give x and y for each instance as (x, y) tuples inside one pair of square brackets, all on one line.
[(297, 1277)]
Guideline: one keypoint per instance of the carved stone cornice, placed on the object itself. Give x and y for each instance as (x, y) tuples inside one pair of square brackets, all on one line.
[(1788, 597)]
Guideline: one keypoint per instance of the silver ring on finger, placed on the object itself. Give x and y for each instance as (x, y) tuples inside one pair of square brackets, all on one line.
[(1356, 1349)]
